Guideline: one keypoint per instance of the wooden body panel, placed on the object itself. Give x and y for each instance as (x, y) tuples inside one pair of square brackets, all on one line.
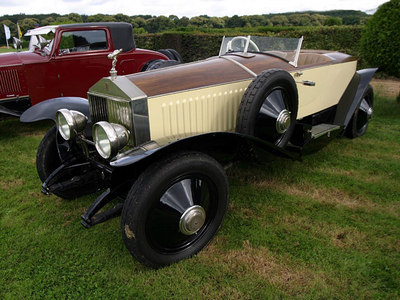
[(216, 71), (183, 102)]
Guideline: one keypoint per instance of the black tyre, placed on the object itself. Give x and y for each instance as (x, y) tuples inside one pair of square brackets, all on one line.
[(167, 53), (162, 64), (269, 107), (174, 209), (47, 157), (176, 55), (362, 115)]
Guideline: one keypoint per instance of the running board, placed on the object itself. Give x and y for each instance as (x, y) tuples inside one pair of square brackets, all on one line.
[(324, 129)]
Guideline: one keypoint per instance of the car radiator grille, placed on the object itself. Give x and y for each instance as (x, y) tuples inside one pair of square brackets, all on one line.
[(9, 82), (112, 110)]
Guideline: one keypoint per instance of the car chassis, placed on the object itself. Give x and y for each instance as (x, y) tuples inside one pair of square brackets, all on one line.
[(160, 140)]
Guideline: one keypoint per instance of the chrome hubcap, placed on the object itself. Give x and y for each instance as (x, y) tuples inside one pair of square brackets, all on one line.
[(192, 220), (283, 121), (370, 113)]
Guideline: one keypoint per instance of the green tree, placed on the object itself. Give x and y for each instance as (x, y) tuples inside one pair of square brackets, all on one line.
[(279, 20), (75, 18), (351, 20), (28, 23), (380, 41), (332, 21), (47, 21), (183, 22), (300, 19), (200, 22), (122, 18), (317, 19), (138, 22), (235, 21), (100, 18), (159, 24)]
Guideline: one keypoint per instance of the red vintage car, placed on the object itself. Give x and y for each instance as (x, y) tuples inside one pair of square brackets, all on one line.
[(65, 60)]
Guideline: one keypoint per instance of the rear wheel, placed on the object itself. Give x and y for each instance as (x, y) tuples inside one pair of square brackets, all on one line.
[(159, 64), (362, 115), (269, 107), (174, 209)]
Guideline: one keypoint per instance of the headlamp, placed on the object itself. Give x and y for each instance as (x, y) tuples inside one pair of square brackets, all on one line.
[(70, 122), (109, 138)]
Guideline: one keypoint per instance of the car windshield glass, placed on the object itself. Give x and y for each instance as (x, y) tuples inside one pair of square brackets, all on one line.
[(43, 43), (286, 48)]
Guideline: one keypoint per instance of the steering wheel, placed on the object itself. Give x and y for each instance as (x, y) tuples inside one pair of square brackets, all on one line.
[(229, 45)]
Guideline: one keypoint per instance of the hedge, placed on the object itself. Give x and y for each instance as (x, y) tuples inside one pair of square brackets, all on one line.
[(199, 45)]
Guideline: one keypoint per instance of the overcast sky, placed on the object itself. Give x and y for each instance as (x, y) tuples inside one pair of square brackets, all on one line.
[(180, 8)]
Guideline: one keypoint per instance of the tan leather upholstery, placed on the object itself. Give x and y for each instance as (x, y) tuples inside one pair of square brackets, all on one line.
[(311, 58)]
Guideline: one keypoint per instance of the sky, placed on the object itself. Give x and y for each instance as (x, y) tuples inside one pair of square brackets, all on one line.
[(180, 8)]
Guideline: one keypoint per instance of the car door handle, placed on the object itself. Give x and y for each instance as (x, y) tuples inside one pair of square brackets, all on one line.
[(307, 82)]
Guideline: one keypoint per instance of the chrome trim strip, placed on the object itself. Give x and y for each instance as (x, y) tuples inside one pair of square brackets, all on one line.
[(15, 98), (240, 65)]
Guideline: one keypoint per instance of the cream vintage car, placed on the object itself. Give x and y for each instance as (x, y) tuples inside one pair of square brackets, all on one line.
[(157, 142)]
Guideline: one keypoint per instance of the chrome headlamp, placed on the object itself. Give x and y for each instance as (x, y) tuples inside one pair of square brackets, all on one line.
[(109, 138), (70, 122)]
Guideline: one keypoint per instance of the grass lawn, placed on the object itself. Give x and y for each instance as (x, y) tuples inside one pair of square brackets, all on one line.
[(327, 227)]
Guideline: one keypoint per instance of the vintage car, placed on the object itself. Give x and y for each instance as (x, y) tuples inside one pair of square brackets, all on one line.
[(66, 60), (158, 142)]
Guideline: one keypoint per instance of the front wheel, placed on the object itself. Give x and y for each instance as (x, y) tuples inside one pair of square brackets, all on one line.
[(174, 208), (48, 160), (47, 157)]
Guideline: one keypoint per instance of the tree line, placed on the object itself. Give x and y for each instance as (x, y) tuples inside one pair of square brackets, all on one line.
[(154, 24)]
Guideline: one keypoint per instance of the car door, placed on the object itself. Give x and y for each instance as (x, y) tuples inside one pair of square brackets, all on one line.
[(81, 60), (330, 83)]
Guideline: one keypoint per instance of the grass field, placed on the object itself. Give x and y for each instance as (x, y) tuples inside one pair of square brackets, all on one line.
[(327, 227)]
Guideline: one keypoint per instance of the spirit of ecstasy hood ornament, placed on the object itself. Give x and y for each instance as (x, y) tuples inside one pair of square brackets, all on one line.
[(113, 56)]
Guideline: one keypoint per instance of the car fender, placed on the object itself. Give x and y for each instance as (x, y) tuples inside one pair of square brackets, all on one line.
[(47, 109), (352, 96), (195, 143)]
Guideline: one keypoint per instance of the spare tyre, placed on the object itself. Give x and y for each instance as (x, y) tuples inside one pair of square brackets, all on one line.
[(268, 109)]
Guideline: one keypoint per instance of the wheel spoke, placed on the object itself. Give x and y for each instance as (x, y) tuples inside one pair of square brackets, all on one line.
[(163, 223), (269, 117), (276, 100), (363, 115), (179, 196), (364, 106), (273, 105)]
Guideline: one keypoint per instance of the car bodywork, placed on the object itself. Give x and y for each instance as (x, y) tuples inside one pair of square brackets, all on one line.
[(157, 139), (65, 60)]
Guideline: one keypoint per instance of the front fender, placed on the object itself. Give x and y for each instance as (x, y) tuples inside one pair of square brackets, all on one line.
[(198, 142), (47, 109)]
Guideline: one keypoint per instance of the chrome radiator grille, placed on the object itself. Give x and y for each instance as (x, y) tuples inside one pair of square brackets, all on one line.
[(112, 110), (98, 108), (9, 82)]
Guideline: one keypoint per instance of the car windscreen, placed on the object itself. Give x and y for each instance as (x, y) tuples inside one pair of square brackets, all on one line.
[(286, 48)]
